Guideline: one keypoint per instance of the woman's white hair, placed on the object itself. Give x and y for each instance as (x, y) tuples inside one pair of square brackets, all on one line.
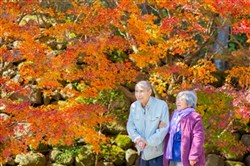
[(189, 97)]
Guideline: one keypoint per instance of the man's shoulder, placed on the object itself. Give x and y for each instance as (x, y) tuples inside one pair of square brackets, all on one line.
[(158, 101), (135, 104)]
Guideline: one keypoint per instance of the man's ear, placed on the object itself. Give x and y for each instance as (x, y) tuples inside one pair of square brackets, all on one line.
[(150, 92)]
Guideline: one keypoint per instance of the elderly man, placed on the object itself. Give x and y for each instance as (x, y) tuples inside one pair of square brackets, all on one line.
[(146, 114)]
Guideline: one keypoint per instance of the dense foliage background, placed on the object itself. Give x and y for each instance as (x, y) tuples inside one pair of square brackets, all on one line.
[(63, 64)]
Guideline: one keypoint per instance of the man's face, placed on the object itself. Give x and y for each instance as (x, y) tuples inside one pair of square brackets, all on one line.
[(142, 94)]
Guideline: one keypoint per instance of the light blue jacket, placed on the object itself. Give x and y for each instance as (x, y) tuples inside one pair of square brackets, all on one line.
[(144, 123)]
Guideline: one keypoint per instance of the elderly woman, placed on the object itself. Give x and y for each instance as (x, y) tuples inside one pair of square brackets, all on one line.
[(185, 138)]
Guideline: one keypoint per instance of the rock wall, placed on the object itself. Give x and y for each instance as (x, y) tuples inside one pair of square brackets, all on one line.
[(120, 153)]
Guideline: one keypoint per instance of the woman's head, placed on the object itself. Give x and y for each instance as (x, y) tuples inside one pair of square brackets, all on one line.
[(186, 99)]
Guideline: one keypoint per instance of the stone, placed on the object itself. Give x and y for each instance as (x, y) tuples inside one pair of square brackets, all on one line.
[(234, 163), (108, 164), (123, 141), (2, 107), (54, 153), (46, 100), (214, 160), (65, 159), (233, 156), (247, 160), (30, 159), (237, 136), (35, 95), (85, 157), (114, 154), (55, 164), (105, 164), (56, 95), (245, 139), (3, 116), (130, 156), (114, 128)]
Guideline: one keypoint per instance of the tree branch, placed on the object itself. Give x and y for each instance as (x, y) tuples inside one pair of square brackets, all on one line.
[(129, 94)]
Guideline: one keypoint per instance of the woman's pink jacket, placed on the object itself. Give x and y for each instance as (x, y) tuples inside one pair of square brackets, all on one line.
[(192, 140)]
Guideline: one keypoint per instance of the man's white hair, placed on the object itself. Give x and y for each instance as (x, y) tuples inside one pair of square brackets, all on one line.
[(144, 83)]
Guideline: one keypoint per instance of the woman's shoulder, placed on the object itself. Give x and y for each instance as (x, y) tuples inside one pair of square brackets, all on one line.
[(194, 115)]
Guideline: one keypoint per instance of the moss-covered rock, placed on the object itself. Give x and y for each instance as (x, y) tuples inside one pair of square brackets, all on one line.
[(114, 154), (63, 155), (123, 141), (65, 158), (85, 157), (234, 163)]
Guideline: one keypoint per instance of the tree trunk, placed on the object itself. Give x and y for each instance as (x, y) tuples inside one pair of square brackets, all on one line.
[(221, 45)]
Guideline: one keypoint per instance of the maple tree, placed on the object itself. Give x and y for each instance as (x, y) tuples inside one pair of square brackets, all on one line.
[(82, 48)]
